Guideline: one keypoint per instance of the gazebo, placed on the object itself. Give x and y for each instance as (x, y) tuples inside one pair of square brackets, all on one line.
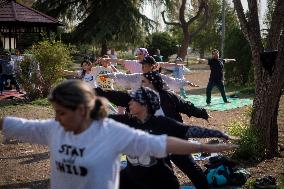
[(21, 26)]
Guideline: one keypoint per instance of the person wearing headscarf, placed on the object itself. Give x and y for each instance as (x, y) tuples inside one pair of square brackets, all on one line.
[(133, 66), (85, 145), (149, 172), (171, 106), (129, 81)]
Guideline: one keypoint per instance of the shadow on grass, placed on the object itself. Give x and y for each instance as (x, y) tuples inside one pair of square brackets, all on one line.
[(39, 184)]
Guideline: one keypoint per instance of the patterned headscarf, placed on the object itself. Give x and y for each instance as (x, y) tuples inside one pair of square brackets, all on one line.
[(147, 97), (143, 51), (155, 78)]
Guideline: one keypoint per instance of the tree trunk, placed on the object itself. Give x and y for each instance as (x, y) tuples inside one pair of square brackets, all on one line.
[(185, 42), (265, 106), (201, 53), (104, 48)]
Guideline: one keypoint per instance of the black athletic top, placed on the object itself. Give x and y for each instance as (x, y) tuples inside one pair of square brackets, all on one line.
[(150, 169), (216, 67)]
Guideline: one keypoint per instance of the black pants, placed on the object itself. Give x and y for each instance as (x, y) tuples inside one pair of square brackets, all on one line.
[(192, 170), (13, 79), (164, 183), (220, 86)]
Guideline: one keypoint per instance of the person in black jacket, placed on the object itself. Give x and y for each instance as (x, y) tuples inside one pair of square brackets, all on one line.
[(216, 75), (171, 106), (149, 172)]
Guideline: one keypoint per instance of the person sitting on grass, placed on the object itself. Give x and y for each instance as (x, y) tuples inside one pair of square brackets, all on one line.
[(84, 145)]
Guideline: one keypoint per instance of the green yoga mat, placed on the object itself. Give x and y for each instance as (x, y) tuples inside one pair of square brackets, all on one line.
[(217, 102), (226, 187)]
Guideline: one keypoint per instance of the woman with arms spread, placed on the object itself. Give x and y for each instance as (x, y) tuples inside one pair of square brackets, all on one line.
[(149, 172), (85, 145)]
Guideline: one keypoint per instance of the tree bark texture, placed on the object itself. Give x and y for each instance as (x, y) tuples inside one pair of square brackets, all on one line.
[(268, 87)]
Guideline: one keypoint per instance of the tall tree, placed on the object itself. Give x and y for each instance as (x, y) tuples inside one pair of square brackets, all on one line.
[(186, 19), (102, 21), (269, 83)]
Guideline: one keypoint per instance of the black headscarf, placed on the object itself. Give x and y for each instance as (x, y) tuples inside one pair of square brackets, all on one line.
[(155, 78), (147, 97)]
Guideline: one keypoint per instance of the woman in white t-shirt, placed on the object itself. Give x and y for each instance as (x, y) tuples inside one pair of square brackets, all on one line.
[(105, 68), (85, 145), (86, 73)]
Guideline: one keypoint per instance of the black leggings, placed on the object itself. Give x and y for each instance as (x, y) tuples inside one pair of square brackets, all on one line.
[(127, 183), (192, 170)]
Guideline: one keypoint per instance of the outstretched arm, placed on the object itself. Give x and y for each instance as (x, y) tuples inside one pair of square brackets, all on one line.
[(125, 80), (176, 83), (119, 98), (229, 60), (201, 132), (202, 61), (189, 108), (182, 147)]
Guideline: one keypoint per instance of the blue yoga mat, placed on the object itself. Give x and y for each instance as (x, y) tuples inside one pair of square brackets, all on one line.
[(217, 102)]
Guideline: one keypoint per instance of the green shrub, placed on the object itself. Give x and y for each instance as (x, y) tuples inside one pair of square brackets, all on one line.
[(40, 102), (43, 68), (249, 146), (163, 41)]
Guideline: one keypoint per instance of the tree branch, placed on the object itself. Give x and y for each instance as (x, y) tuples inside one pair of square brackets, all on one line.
[(241, 16), (169, 23), (204, 23), (200, 9), (253, 20), (275, 25), (181, 13)]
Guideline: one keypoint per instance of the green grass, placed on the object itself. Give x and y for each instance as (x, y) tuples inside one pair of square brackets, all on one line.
[(40, 102)]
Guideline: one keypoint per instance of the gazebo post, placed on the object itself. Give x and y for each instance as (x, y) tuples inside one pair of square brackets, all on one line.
[(10, 48)]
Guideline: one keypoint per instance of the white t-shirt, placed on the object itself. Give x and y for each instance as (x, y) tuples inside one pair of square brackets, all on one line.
[(94, 80), (89, 159), (103, 82), (90, 78)]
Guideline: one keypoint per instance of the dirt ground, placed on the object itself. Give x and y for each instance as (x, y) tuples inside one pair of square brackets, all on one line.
[(24, 165)]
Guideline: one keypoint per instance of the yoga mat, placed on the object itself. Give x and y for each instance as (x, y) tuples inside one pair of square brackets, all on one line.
[(217, 102), (11, 94), (224, 187)]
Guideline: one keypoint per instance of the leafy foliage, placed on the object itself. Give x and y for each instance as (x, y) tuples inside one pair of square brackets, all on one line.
[(164, 42), (209, 38), (240, 72), (43, 68), (250, 147), (102, 21)]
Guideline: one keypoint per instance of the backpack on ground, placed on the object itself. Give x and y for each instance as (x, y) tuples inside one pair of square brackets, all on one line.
[(222, 171)]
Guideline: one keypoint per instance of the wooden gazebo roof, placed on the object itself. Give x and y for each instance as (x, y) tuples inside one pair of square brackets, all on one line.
[(12, 12), (17, 21)]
